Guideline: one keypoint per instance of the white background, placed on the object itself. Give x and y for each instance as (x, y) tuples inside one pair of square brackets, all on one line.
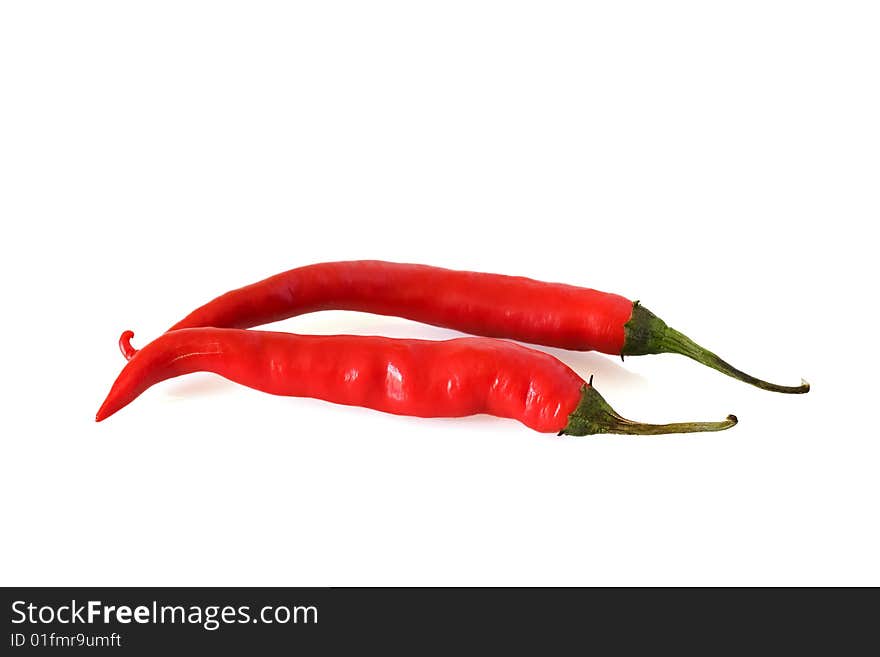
[(718, 161)]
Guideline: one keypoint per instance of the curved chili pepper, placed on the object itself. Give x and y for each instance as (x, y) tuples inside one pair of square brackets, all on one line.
[(451, 378), (550, 314)]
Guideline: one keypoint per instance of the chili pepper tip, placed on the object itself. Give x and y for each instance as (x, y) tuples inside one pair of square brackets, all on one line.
[(101, 414), (108, 408), (125, 345)]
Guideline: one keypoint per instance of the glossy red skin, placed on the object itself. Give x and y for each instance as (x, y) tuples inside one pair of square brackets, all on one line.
[(424, 378), (551, 314)]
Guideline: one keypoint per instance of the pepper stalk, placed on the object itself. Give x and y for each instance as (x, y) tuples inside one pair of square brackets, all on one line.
[(648, 334), (594, 415)]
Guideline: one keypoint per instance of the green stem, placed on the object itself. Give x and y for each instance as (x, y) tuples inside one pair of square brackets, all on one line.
[(593, 415), (648, 334)]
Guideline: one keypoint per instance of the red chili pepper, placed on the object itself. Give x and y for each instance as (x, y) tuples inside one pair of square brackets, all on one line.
[(451, 378), (523, 309)]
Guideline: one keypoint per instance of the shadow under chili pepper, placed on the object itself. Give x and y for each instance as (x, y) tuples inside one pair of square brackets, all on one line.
[(607, 371), (200, 385), (348, 322)]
